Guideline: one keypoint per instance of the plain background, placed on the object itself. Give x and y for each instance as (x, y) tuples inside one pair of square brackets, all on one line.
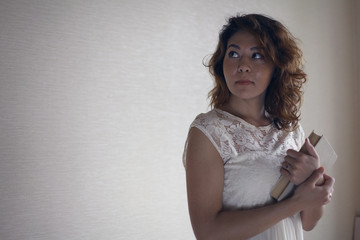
[(96, 98)]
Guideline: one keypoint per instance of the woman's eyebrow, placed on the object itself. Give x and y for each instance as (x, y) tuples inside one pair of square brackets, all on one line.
[(234, 46)]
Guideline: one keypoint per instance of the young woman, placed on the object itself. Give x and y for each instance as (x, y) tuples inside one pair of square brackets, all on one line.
[(236, 152)]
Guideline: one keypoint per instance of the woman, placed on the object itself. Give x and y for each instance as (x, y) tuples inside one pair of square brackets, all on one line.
[(236, 152)]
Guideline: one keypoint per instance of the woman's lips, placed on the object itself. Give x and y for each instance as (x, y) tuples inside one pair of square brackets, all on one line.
[(244, 82)]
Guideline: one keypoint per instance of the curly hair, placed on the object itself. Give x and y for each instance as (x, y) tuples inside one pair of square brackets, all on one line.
[(284, 94)]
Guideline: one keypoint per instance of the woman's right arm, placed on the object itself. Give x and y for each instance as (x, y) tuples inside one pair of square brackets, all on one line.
[(205, 183)]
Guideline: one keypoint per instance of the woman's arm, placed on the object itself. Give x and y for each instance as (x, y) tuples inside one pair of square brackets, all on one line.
[(310, 216), (205, 183), (297, 167)]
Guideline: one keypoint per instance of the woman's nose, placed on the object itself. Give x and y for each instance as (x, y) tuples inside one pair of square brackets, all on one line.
[(244, 68)]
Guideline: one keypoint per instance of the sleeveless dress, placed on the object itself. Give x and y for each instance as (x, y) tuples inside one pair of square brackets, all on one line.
[(252, 158)]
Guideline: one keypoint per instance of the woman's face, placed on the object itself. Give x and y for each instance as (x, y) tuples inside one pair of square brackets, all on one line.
[(246, 69)]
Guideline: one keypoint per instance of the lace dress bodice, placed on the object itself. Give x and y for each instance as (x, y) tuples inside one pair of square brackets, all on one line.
[(252, 158)]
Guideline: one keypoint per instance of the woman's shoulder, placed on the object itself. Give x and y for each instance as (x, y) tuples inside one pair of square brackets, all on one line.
[(207, 124), (205, 119)]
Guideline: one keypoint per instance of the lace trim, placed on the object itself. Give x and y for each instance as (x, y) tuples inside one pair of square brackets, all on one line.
[(236, 118), (232, 135)]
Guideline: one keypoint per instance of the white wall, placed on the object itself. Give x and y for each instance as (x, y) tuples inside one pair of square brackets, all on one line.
[(96, 98)]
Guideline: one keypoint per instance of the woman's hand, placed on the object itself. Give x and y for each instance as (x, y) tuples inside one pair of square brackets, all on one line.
[(313, 198), (309, 195), (298, 166)]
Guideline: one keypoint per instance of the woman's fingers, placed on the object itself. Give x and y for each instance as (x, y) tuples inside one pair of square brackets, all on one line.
[(328, 187), (315, 176), (310, 148), (292, 153), (329, 182), (290, 160)]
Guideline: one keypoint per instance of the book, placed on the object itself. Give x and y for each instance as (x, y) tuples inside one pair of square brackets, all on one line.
[(284, 187)]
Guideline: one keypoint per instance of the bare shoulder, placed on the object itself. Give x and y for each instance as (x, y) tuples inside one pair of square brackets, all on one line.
[(200, 149)]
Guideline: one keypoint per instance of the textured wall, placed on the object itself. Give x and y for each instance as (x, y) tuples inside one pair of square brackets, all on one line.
[(96, 98)]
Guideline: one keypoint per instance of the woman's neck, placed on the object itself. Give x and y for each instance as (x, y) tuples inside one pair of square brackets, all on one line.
[(252, 112)]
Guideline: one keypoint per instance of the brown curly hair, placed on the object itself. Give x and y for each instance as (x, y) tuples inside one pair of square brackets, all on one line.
[(284, 93)]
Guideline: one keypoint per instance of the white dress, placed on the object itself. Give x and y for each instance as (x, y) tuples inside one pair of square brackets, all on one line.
[(252, 159)]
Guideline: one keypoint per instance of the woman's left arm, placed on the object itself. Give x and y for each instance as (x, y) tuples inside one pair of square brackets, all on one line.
[(310, 217), (297, 167)]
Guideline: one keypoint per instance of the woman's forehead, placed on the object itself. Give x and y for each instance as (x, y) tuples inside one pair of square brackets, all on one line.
[(243, 37)]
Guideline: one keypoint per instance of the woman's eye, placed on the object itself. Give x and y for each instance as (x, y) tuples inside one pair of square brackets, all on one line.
[(258, 56), (233, 54)]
